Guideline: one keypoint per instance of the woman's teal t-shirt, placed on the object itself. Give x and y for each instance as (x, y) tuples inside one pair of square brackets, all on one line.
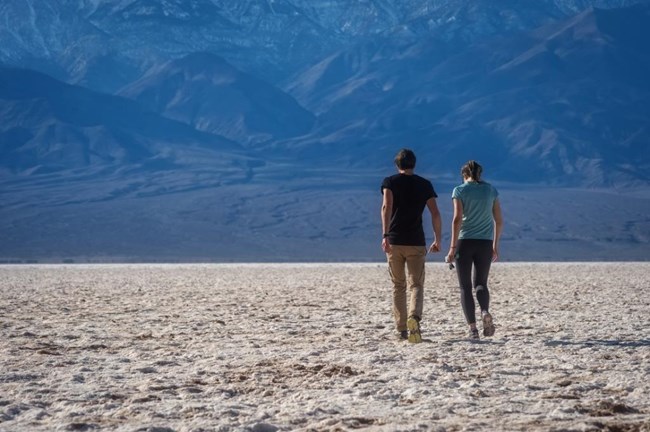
[(477, 199)]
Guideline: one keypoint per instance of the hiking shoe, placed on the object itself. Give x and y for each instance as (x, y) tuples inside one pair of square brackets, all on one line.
[(488, 325), (413, 325), (403, 335), (473, 334)]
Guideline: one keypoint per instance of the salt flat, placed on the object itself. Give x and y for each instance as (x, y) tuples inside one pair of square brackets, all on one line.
[(312, 347)]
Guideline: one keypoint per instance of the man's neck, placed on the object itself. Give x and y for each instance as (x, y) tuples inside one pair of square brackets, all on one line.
[(406, 172)]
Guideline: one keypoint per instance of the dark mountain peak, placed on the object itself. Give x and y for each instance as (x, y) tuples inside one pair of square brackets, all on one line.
[(199, 69), (468, 21), (204, 90), (178, 11), (628, 25), (199, 65), (20, 83), (53, 124), (202, 59), (255, 7), (608, 39)]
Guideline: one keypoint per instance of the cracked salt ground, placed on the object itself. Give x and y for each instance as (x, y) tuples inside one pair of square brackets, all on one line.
[(312, 347)]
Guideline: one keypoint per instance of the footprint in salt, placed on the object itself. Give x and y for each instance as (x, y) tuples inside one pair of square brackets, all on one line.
[(264, 427), (81, 427), (145, 399), (155, 429)]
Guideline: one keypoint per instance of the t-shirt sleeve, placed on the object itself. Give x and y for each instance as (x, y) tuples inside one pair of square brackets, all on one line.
[(495, 193), (386, 185), (431, 192), (456, 193)]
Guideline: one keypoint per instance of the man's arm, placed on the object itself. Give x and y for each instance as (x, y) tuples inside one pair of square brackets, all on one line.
[(436, 222), (386, 213)]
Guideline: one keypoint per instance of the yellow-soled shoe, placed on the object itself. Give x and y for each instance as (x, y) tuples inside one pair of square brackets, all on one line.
[(414, 330)]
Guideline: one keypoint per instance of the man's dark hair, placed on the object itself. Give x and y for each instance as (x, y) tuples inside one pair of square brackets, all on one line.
[(405, 159)]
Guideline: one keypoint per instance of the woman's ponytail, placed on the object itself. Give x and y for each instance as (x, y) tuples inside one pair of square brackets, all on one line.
[(473, 170)]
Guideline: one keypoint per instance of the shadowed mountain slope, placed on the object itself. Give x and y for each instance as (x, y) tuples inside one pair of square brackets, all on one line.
[(48, 125), (207, 92)]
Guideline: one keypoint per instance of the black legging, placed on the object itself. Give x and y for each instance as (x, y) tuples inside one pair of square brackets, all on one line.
[(476, 253)]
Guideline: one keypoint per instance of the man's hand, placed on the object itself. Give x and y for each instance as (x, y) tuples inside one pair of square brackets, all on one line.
[(435, 247), (385, 246)]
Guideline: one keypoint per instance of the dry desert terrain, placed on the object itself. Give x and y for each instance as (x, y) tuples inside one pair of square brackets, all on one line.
[(312, 347)]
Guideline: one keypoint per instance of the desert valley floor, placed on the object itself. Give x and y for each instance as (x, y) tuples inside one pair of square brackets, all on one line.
[(312, 347)]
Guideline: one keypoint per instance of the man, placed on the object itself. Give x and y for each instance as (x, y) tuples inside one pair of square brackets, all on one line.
[(405, 197)]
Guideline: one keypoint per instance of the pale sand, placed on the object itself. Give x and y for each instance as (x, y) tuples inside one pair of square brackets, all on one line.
[(312, 347)]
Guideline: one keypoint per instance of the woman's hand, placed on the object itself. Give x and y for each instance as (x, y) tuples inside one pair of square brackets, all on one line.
[(495, 254), (450, 256)]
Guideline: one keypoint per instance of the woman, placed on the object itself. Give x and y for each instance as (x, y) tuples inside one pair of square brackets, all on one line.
[(475, 236)]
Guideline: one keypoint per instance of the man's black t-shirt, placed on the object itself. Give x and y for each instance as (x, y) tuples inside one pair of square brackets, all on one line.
[(410, 196)]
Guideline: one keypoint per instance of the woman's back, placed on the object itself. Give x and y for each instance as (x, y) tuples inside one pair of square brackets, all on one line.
[(477, 199)]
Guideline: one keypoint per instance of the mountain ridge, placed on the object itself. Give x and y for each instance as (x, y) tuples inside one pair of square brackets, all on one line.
[(41, 114), (205, 91), (518, 87), (74, 41), (551, 99)]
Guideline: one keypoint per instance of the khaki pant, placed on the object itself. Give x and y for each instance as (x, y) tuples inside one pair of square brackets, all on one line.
[(413, 258)]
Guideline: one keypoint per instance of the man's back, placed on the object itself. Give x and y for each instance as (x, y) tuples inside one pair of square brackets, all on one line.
[(410, 195)]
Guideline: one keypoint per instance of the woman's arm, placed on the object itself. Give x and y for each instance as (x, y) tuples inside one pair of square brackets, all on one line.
[(455, 229), (498, 227)]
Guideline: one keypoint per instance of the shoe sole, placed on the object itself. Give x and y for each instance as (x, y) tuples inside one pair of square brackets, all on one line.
[(488, 325), (414, 330)]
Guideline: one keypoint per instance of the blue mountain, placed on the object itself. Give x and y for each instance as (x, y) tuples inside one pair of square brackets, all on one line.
[(105, 44), (250, 130), (567, 103), (208, 93), (52, 126)]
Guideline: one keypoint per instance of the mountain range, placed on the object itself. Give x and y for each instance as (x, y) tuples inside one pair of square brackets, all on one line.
[(568, 102), (106, 44), (206, 92), (255, 130)]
